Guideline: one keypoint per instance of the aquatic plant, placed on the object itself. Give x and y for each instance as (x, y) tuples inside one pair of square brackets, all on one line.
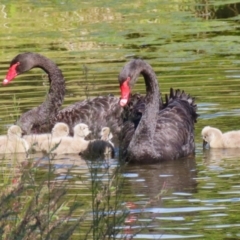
[(35, 207)]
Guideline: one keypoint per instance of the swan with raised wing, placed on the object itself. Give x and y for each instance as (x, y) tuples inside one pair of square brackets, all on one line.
[(151, 135)]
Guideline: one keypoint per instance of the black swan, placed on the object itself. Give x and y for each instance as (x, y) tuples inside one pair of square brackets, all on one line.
[(150, 135), (96, 113)]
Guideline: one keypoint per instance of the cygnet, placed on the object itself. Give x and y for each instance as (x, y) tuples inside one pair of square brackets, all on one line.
[(13, 141), (216, 139), (74, 144), (106, 135), (35, 140)]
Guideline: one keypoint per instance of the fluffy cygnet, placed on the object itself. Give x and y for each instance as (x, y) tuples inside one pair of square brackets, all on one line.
[(35, 140), (13, 141), (98, 149), (103, 148), (106, 135), (75, 144), (60, 130), (216, 139)]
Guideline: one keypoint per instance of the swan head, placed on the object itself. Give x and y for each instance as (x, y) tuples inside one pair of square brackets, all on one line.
[(60, 130), (21, 63), (128, 76), (14, 131), (81, 130), (106, 134), (210, 135), (125, 91)]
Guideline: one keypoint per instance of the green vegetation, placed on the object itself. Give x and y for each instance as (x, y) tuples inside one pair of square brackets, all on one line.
[(35, 205)]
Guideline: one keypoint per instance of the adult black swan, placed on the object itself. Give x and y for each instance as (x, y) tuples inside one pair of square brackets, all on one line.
[(150, 135), (96, 113)]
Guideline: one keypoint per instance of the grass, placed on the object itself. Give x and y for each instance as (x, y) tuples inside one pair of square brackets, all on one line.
[(34, 205), (108, 212)]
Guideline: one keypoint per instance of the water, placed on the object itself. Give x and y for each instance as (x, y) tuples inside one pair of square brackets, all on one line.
[(192, 45)]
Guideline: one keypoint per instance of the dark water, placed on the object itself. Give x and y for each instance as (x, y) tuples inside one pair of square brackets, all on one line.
[(192, 45)]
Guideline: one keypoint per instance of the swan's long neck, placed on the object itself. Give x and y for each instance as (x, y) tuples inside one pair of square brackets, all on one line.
[(40, 117), (146, 128), (152, 89), (56, 92)]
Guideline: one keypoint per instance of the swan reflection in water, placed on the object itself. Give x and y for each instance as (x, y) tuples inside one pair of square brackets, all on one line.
[(215, 156), (152, 187), (64, 166), (178, 175)]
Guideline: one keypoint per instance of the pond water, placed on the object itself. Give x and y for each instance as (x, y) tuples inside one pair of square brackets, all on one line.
[(192, 45)]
